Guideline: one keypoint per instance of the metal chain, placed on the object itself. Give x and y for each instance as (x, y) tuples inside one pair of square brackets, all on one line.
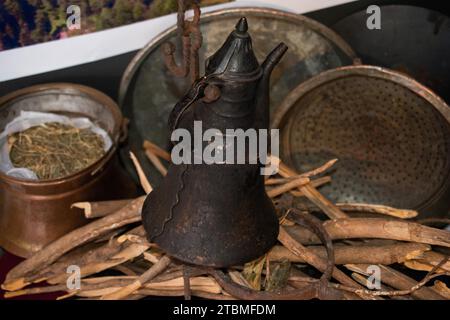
[(191, 39)]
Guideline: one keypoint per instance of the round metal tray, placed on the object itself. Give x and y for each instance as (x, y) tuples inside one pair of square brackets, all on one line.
[(148, 91), (412, 40), (390, 134)]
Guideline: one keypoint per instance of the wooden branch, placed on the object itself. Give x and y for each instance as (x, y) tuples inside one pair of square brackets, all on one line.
[(367, 254), (156, 162), (151, 257), (300, 280), (375, 208), (97, 209), (157, 150), (431, 275), (380, 228), (128, 214), (86, 284), (323, 203), (91, 284), (287, 186), (287, 172), (399, 281), (142, 178), (314, 196), (204, 284), (198, 282), (320, 169), (413, 232), (137, 235), (426, 262), (124, 292), (276, 181), (315, 183), (313, 259), (180, 293), (90, 262), (97, 283), (442, 289), (125, 270), (362, 280), (245, 293), (128, 253), (394, 230), (38, 290), (100, 253)]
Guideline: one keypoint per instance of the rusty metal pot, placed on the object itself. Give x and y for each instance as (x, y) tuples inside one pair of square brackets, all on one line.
[(34, 213), (219, 214), (390, 133), (148, 90)]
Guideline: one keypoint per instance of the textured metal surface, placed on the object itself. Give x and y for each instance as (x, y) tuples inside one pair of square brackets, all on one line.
[(148, 90), (390, 134), (412, 39), (219, 214), (34, 213)]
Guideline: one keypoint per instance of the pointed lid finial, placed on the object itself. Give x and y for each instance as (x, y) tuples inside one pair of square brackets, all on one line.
[(242, 26), (236, 56)]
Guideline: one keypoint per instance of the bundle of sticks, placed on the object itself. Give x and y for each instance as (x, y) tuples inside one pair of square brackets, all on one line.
[(359, 251)]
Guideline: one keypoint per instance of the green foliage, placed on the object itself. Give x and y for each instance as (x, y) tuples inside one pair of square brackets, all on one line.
[(43, 20), (13, 7), (138, 11), (96, 5), (104, 20), (24, 37), (122, 12), (162, 7), (43, 25)]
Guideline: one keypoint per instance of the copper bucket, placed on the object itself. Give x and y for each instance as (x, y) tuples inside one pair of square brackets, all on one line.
[(34, 213)]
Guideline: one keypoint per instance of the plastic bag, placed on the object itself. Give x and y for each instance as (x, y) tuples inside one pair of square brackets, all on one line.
[(28, 119)]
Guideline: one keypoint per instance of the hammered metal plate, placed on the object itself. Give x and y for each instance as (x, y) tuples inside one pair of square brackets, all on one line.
[(148, 92), (390, 134)]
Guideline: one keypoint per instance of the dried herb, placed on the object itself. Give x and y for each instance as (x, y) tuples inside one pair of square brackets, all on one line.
[(252, 272), (279, 276), (54, 150)]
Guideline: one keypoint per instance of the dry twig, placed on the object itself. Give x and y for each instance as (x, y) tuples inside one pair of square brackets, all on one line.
[(97, 209), (124, 292)]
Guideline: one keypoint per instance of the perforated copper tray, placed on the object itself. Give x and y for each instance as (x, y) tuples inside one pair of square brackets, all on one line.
[(390, 134)]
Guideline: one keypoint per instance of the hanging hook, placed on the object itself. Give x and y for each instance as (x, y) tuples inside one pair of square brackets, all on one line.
[(191, 39)]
